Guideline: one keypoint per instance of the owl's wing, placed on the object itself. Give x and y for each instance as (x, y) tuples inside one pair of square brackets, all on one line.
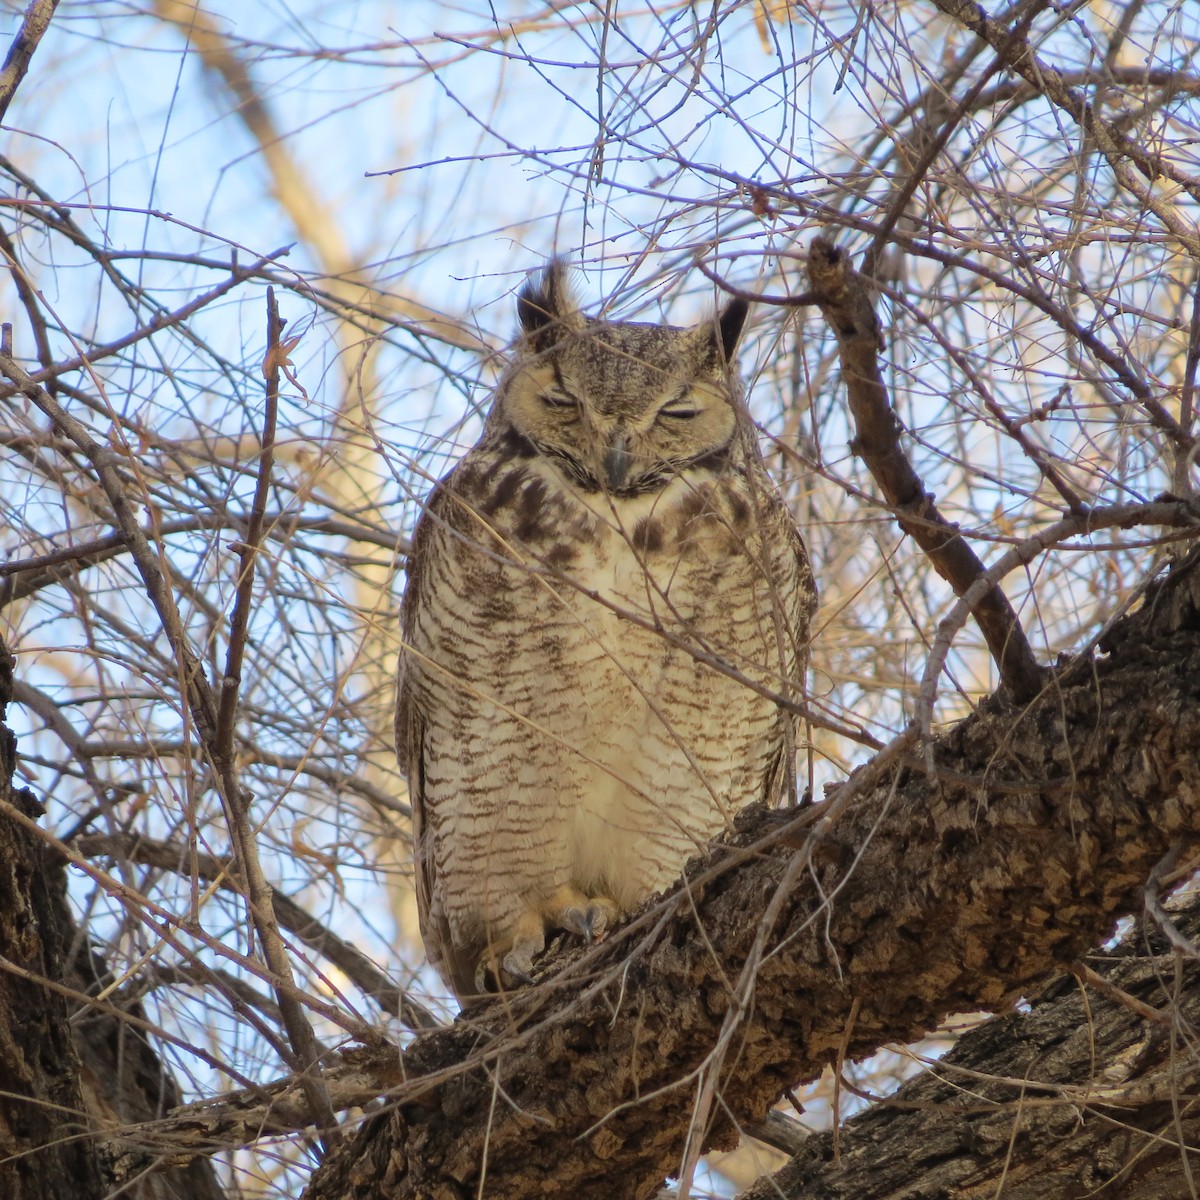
[(804, 595), (410, 731), (409, 740), (444, 525), (799, 587)]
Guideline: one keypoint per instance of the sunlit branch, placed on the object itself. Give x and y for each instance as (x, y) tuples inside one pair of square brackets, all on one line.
[(1111, 141)]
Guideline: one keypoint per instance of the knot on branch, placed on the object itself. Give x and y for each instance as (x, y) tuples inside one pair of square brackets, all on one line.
[(842, 294)]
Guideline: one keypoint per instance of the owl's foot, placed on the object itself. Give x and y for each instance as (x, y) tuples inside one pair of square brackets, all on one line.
[(587, 916), (590, 923), (518, 964), (498, 975), (515, 967), (566, 908)]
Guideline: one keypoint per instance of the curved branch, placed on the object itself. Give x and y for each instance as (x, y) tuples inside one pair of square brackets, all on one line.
[(846, 307)]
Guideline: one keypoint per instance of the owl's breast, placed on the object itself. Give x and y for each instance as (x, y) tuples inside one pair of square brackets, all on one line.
[(618, 548), (631, 598)]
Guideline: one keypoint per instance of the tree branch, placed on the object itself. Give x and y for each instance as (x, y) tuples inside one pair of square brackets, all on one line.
[(239, 619), (927, 897), (1072, 1098), (20, 53), (847, 308), (346, 957), (1116, 147), (202, 706)]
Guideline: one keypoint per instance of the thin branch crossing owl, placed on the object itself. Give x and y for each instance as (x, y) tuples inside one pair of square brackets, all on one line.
[(605, 598)]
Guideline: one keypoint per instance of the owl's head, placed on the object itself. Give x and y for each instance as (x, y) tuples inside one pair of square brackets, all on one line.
[(621, 406)]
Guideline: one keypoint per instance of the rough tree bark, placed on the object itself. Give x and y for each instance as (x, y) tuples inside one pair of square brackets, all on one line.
[(1088, 1094), (42, 1115)]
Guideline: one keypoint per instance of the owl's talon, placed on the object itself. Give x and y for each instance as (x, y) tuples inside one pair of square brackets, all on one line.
[(575, 920), (517, 965), (589, 923), (513, 970), (483, 971)]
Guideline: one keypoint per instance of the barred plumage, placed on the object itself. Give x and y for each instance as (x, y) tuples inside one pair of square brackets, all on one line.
[(602, 598)]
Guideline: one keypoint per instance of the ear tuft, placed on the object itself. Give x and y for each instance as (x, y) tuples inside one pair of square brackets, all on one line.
[(730, 323), (546, 306)]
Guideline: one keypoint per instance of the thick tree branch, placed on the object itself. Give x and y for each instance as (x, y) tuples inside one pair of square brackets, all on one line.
[(846, 306), (1091, 1093), (929, 896)]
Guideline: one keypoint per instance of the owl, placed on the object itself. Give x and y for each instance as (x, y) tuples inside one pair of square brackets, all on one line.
[(606, 598)]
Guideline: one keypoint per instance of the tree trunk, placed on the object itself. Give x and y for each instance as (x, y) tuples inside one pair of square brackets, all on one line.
[(47, 1148), (76, 1084)]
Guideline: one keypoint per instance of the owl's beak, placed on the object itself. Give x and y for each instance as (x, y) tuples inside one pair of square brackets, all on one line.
[(617, 461)]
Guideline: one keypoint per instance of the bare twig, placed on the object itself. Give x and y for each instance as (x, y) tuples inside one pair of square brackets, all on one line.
[(22, 577), (1185, 461), (165, 926), (838, 1068), (799, 300), (239, 621), (1152, 890), (1044, 462), (104, 462), (160, 321), (918, 171), (346, 957), (1094, 979)]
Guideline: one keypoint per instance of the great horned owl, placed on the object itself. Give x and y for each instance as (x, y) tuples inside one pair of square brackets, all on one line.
[(603, 597)]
